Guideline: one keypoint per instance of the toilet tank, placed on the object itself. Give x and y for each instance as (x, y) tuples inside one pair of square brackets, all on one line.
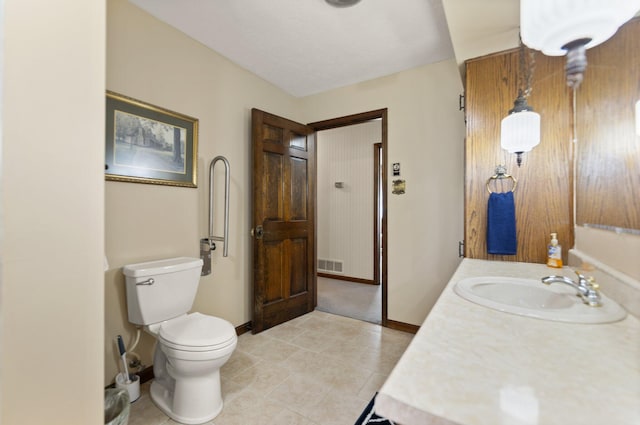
[(174, 287)]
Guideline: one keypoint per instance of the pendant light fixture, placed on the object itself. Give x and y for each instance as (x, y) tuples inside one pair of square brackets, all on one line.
[(520, 130), (570, 27)]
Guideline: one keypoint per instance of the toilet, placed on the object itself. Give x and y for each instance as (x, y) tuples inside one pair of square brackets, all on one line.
[(191, 347)]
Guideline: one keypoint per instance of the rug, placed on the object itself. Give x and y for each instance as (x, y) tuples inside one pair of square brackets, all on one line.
[(369, 417)]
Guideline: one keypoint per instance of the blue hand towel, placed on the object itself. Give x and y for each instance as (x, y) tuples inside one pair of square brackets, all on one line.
[(501, 224)]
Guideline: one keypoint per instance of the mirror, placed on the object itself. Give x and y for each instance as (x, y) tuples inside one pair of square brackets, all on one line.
[(608, 148)]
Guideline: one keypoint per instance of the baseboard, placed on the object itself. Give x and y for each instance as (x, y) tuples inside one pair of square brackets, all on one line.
[(243, 328), (146, 374), (401, 326), (348, 279)]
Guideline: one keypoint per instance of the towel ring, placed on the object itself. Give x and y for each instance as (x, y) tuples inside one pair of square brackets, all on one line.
[(501, 173)]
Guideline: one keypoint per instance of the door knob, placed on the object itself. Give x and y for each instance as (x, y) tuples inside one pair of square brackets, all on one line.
[(258, 232)]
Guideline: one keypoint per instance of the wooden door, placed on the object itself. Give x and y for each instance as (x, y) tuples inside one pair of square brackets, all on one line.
[(283, 223)]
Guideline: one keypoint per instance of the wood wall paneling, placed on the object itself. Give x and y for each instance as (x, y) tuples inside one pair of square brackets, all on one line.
[(543, 196), (608, 150)]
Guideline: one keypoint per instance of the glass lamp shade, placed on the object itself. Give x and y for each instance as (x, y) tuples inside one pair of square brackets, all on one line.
[(549, 25), (520, 131)]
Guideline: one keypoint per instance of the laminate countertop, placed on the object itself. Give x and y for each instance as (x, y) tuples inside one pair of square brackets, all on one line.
[(471, 365)]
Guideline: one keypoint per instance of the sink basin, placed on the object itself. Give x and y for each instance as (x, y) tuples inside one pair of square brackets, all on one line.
[(532, 298)]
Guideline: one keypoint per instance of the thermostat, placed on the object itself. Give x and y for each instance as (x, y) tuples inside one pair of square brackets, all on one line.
[(396, 168)]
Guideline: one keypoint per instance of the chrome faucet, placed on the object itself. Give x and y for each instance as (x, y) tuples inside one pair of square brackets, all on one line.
[(586, 287)]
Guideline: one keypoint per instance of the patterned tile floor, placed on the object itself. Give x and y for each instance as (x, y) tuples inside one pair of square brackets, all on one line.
[(318, 369)]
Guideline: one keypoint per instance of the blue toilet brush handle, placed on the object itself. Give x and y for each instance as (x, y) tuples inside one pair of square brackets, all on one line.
[(123, 355), (121, 345)]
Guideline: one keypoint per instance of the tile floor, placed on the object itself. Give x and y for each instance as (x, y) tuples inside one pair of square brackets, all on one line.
[(318, 369)]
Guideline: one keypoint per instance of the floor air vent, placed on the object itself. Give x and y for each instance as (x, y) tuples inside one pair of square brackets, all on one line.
[(332, 266)]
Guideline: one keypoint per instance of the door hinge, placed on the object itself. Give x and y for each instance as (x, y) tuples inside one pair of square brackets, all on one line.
[(460, 249), (461, 102)]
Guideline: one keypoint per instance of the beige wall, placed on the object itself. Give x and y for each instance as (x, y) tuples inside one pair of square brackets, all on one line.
[(478, 28), (52, 212), (426, 136), (620, 251), (152, 62)]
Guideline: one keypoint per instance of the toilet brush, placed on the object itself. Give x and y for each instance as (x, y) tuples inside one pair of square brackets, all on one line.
[(123, 355)]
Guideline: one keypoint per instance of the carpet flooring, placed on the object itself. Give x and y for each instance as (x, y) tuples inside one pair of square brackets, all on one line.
[(349, 299)]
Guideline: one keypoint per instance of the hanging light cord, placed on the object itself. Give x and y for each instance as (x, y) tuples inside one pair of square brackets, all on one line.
[(526, 70), (520, 129), (574, 148)]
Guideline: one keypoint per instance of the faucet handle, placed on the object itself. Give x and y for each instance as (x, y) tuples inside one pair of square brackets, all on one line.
[(590, 295), (580, 275), (589, 281)]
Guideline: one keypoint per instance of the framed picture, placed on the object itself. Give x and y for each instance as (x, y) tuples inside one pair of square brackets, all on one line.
[(149, 144)]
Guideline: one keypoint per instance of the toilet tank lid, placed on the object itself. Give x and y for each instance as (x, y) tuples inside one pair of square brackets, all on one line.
[(169, 265)]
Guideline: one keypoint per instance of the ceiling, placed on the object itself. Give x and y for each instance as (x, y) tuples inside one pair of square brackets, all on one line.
[(306, 46)]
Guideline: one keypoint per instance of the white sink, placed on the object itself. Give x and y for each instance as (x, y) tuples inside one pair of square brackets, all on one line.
[(532, 298)]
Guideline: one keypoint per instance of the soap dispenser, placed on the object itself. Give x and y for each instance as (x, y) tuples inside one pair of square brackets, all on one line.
[(554, 252)]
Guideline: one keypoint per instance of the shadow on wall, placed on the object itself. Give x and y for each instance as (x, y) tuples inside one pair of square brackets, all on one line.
[(117, 323)]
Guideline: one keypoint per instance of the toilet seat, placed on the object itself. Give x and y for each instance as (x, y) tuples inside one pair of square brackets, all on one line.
[(197, 332)]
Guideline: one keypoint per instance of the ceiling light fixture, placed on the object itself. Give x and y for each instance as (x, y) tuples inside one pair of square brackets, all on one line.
[(520, 130), (342, 3), (571, 27)]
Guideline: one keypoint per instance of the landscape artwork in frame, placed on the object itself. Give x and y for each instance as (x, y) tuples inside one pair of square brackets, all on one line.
[(149, 144)]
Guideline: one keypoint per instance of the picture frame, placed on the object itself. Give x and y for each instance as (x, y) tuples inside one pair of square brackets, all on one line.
[(149, 144)]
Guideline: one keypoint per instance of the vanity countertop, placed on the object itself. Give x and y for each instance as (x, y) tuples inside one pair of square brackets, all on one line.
[(471, 365)]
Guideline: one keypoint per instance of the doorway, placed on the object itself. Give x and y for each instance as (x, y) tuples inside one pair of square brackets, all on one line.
[(352, 281), (284, 215)]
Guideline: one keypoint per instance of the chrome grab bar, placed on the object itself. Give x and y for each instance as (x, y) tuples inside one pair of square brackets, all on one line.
[(227, 176)]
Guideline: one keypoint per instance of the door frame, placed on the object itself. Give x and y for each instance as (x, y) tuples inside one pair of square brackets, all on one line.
[(378, 197), (359, 119)]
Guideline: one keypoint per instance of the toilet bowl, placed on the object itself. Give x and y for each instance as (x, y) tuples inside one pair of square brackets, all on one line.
[(189, 353), (190, 348)]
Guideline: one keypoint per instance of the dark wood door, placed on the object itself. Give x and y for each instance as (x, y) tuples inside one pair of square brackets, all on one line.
[(283, 223)]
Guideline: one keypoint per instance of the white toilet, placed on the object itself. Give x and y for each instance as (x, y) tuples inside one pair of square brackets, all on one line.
[(190, 349)]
